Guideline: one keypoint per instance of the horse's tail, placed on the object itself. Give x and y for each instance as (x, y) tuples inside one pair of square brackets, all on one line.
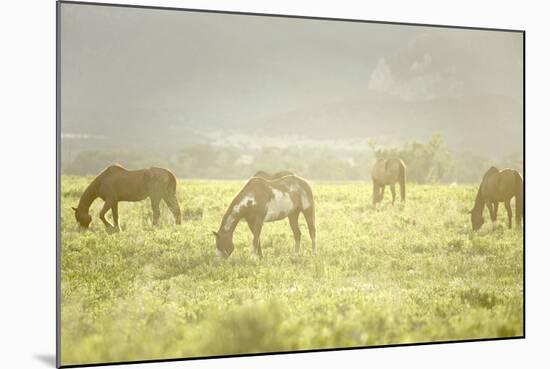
[(171, 200), (519, 197), (402, 178), (172, 182)]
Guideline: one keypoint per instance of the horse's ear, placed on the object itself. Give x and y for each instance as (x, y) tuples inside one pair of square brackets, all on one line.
[(73, 208)]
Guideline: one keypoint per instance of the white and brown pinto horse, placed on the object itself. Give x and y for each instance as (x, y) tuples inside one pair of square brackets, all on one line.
[(267, 198), (388, 172)]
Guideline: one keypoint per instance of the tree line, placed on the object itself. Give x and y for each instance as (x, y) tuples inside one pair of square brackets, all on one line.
[(427, 162)]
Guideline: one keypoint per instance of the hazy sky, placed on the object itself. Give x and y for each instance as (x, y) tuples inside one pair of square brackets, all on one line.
[(130, 69)]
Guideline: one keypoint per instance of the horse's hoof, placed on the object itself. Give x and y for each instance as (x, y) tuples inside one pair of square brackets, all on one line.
[(112, 230)]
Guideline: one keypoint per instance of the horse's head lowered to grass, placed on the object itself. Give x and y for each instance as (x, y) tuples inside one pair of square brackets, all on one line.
[(82, 217), (498, 186), (477, 219), (267, 198), (115, 184), (224, 244)]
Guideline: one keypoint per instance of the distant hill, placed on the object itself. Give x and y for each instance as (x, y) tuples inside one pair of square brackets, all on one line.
[(486, 125)]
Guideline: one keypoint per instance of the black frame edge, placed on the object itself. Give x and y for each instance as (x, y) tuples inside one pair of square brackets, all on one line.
[(524, 195), (293, 352), (58, 183), (295, 16)]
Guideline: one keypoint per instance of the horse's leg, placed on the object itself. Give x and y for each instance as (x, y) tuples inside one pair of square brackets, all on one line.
[(382, 188), (519, 213), (106, 206), (256, 241), (172, 203), (155, 205), (309, 214), (509, 212), (491, 213), (392, 187), (114, 211), (255, 224), (495, 206), (375, 192), (260, 246), (250, 223), (489, 206), (293, 221)]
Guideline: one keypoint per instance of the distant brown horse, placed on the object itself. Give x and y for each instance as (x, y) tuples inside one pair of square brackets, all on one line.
[(388, 172), (115, 184), (267, 198), (498, 186)]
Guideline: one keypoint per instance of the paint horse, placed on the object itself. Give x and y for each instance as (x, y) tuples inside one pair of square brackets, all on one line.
[(498, 186), (267, 198), (115, 184), (388, 172)]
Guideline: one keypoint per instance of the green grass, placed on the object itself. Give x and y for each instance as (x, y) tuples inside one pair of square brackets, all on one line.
[(381, 276)]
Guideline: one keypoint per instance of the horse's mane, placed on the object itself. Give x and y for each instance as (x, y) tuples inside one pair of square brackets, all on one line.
[(271, 180), (89, 194), (265, 175), (479, 202), (489, 172), (272, 177)]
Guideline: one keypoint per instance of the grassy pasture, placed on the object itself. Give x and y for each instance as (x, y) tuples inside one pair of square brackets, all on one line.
[(395, 274)]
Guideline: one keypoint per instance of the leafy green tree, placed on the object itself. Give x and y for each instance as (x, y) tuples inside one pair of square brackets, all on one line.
[(428, 162)]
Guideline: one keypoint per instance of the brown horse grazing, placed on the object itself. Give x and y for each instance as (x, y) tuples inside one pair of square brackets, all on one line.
[(387, 172), (267, 198), (116, 184), (498, 186)]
